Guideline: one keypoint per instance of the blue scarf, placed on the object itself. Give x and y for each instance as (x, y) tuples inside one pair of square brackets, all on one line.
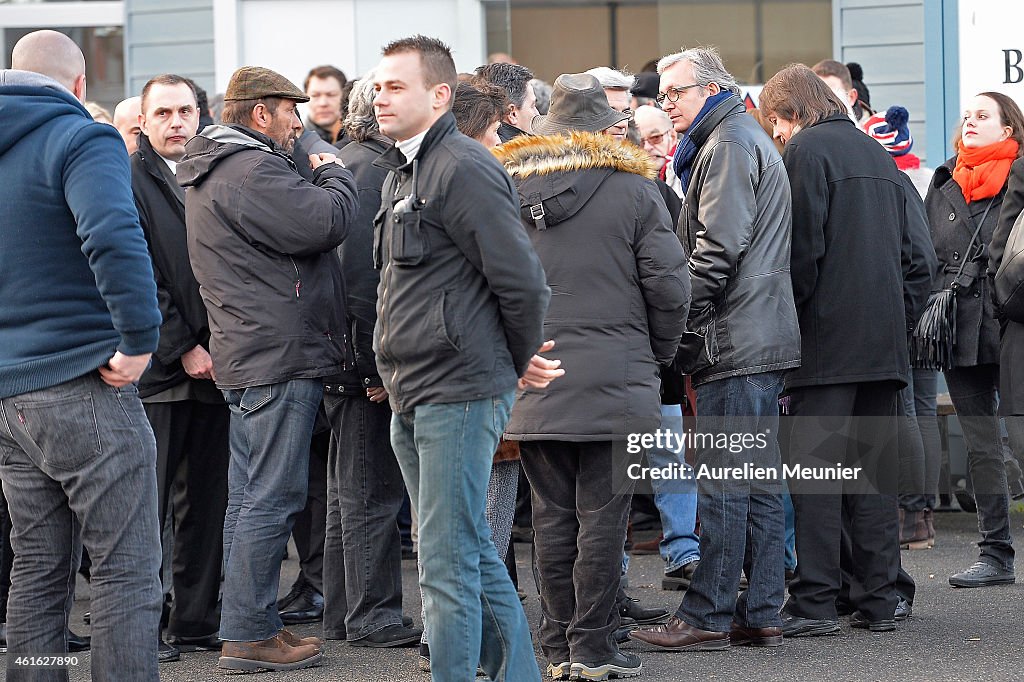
[(686, 150)]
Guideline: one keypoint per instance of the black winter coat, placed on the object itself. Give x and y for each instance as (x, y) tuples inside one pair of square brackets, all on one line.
[(619, 284), (262, 241), (162, 216), (952, 223), (1011, 343), (361, 278), (461, 301), (852, 255)]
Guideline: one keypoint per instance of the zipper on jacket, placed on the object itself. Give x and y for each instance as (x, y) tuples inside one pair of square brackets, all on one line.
[(298, 279)]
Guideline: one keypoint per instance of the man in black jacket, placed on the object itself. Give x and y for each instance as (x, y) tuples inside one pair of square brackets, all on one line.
[(514, 79), (187, 412), (261, 240), (742, 338), (363, 549), (460, 308), (850, 240)]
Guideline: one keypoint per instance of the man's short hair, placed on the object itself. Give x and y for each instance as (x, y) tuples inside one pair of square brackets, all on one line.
[(797, 94), (830, 67), (170, 79), (325, 71), (513, 78), (611, 79), (435, 57), (239, 111), (707, 67)]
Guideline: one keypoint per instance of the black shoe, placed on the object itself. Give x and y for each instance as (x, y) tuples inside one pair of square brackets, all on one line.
[(307, 607), (392, 636), (298, 587), (207, 643), (679, 579), (424, 657), (620, 665), (632, 613), (857, 620), (76, 643), (982, 574), (904, 609), (795, 626), (167, 653), (622, 634)]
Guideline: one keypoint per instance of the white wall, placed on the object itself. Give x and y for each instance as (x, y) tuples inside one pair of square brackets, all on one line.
[(292, 36), (988, 28)]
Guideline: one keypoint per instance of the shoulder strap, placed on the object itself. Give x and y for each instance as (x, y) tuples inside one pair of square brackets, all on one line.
[(970, 246)]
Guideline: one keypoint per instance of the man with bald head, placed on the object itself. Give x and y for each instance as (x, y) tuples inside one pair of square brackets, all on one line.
[(77, 327), (126, 119), (659, 140)]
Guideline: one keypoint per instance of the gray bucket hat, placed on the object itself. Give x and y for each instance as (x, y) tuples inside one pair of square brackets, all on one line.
[(578, 102)]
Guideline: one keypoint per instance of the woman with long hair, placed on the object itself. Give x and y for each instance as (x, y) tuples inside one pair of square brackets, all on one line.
[(963, 204)]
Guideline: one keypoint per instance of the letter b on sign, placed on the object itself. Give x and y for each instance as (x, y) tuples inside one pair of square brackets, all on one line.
[(1014, 73)]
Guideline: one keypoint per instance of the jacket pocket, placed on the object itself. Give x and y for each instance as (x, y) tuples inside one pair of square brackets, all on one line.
[(378, 237), (444, 320), (409, 244)]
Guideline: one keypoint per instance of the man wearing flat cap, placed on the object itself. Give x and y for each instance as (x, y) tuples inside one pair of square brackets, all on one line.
[(261, 241), (604, 236)]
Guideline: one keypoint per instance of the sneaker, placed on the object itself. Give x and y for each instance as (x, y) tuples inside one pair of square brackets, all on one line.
[(679, 579), (559, 671), (619, 666), (269, 654), (982, 574)]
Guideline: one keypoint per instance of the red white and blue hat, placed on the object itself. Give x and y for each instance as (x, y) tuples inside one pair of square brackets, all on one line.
[(891, 130)]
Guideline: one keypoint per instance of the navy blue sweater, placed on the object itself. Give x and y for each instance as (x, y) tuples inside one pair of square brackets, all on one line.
[(76, 281)]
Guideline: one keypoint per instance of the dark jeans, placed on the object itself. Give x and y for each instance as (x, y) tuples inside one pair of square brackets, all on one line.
[(271, 427), (6, 556), (911, 452), (854, 424), (310, 529), (924, 384), (363, 551), (974, 392), (742, 521), (579, 523), (192, 445), (78, 463)]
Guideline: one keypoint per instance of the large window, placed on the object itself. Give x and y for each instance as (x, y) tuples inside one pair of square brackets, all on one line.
[(756, 37)]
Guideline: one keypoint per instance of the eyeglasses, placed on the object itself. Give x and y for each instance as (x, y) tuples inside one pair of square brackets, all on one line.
[(655, 139), (674, 93)]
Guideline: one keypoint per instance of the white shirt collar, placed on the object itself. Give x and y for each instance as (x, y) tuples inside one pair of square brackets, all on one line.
[(411, 147)]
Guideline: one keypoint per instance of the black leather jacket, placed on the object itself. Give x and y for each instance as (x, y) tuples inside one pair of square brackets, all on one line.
[(736, 224)]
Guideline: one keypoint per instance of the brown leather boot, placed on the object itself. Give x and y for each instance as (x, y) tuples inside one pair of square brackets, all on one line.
[(913, 530), (292, 639), (270, 654), (929, 522)]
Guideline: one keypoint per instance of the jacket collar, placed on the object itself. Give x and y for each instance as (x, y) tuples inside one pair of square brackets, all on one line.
[(577, 151), (157, 168), (833, 118), (393, 159), (702, 131)]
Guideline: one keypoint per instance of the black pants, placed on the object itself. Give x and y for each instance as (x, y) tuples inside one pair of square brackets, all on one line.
[(365, 491), (311, 524), (852, 424), (192, 448), (579, 521), (6, 556)]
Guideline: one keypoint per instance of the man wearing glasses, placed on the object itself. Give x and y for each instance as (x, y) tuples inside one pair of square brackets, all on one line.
[(742, 335), (660, 140)]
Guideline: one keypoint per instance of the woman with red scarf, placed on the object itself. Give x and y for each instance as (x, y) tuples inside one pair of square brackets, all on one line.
[(967, 191)]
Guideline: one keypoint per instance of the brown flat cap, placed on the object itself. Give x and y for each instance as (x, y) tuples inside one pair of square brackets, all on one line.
[(255, 82)]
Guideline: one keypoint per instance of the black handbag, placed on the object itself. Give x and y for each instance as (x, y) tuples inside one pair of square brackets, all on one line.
[(934, 338), (1009, 280)]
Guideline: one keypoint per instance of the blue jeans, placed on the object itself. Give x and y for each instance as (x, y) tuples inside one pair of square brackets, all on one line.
[(78, 463), (675, 498), (787, 506), (742, 521), (473, 613), (268, 477)]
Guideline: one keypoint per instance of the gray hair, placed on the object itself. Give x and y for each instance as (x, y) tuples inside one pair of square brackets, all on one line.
[(542, 91), (360, 123), (612, 79), (707, 67)]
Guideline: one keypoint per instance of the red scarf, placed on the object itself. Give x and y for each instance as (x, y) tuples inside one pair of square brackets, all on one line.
[(981, 172)]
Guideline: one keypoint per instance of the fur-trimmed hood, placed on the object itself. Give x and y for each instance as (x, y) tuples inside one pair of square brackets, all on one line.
[(543, 154), (558, 175)]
